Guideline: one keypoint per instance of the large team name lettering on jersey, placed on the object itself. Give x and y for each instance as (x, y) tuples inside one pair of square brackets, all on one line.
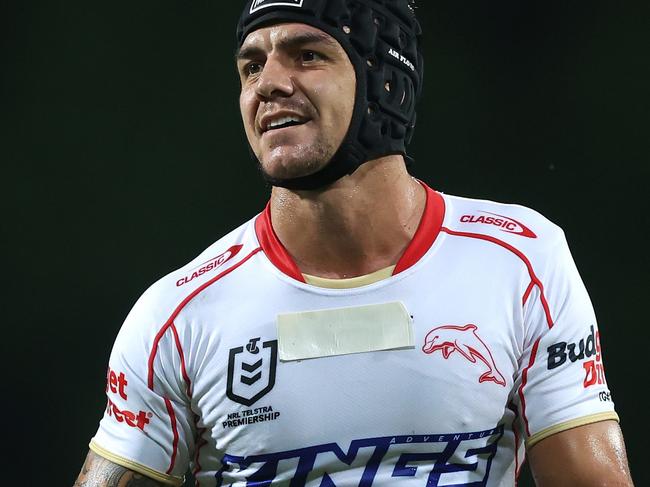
[(558, 353), (210, 265), (505, 224), (459, 459)]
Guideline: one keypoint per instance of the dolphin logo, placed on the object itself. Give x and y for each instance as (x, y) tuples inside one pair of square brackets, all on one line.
[(464, 340)]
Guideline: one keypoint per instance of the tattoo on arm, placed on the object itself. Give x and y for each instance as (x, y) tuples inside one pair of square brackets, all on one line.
[(99, 472)]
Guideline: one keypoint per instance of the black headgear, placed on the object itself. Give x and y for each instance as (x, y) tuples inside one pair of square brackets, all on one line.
[(381, 39)]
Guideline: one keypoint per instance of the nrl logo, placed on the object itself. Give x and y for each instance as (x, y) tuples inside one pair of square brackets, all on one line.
[(251, 371), (260, 4)]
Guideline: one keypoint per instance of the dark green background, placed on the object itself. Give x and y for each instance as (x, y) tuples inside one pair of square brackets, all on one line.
[(123, 157)]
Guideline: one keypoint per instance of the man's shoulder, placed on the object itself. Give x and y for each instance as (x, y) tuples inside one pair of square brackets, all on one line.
[(518, 228), (169, 293)]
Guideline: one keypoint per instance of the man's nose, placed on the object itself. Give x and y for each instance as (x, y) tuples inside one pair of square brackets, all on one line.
[(274, 80)]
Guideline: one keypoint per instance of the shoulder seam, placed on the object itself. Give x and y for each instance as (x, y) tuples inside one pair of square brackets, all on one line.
[(182, 305), (169, 324), (518, 253)]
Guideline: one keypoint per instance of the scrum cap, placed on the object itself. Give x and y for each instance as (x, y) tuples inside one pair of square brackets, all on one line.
[(381, 38)]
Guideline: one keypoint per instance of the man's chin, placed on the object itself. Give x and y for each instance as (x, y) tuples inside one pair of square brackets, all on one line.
[(288, 166)]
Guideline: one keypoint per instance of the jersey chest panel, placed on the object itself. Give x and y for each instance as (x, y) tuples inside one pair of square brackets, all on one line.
[(357, 419)]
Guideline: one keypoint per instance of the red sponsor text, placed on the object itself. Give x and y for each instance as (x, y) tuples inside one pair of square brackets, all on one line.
[(210, 265), (505, 224), (594, 369), (588, 348), (139, 420), (116, 383)]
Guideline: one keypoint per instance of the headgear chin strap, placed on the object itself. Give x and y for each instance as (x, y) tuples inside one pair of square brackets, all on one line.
[(381, 39)]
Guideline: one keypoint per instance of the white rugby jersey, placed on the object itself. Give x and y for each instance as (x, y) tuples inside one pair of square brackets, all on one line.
[(505, 352)]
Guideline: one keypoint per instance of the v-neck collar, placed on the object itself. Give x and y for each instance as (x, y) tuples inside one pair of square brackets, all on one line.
[(425, 236)]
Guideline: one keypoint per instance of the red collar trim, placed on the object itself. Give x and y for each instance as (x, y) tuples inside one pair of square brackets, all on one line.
[(272, 246), (427, 232), (425, 235)]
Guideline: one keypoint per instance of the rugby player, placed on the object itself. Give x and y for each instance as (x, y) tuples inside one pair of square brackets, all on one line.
[(364, 329)]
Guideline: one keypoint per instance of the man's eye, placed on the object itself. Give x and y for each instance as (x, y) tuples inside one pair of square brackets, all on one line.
[(252, 69), (309, 56)]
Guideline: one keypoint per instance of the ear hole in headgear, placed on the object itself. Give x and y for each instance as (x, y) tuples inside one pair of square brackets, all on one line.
[(373, 110)]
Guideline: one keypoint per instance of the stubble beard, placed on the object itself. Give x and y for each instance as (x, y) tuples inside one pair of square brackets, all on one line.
[(304, 161)]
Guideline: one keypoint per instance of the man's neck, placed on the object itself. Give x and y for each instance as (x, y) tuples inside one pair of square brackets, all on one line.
[(358, 225)]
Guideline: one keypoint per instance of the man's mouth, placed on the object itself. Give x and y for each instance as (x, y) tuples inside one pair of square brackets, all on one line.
[(283, 122)]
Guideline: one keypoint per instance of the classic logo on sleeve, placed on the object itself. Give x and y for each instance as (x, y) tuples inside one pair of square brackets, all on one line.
[(586, 348), (504, 223), (464, 340), (251, 371), (210, 265)]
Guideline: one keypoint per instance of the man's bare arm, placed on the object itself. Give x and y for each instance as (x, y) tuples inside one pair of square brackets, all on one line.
[(587, 456), (99, 472)]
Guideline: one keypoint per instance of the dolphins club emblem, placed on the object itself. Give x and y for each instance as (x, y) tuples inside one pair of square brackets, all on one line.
[(251, 371), (464, 340)]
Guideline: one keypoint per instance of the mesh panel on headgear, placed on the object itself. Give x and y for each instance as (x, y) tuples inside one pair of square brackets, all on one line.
[(381, 38)]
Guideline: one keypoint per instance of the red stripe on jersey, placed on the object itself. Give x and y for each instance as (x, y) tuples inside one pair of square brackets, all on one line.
[(524, 380), (427, 232), (197, 464), (529, 289), (179, 308), (519, 254), (272, 246), (186, 378), (172, 418), (513, 408)]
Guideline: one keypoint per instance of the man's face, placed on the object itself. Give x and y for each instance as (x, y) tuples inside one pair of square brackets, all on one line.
[(297, 97)]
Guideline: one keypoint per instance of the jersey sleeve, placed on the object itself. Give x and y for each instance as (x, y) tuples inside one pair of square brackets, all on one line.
[(148, 425), (561, 382)]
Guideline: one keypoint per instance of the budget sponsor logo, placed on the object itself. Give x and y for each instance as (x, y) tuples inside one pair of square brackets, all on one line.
[(504, 223), (430, 460), (586, 350)]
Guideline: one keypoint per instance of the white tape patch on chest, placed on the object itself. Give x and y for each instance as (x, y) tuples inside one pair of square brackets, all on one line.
[(329, 332)]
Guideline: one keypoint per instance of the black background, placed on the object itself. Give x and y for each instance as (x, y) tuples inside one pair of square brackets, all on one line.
[(123, 157)]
